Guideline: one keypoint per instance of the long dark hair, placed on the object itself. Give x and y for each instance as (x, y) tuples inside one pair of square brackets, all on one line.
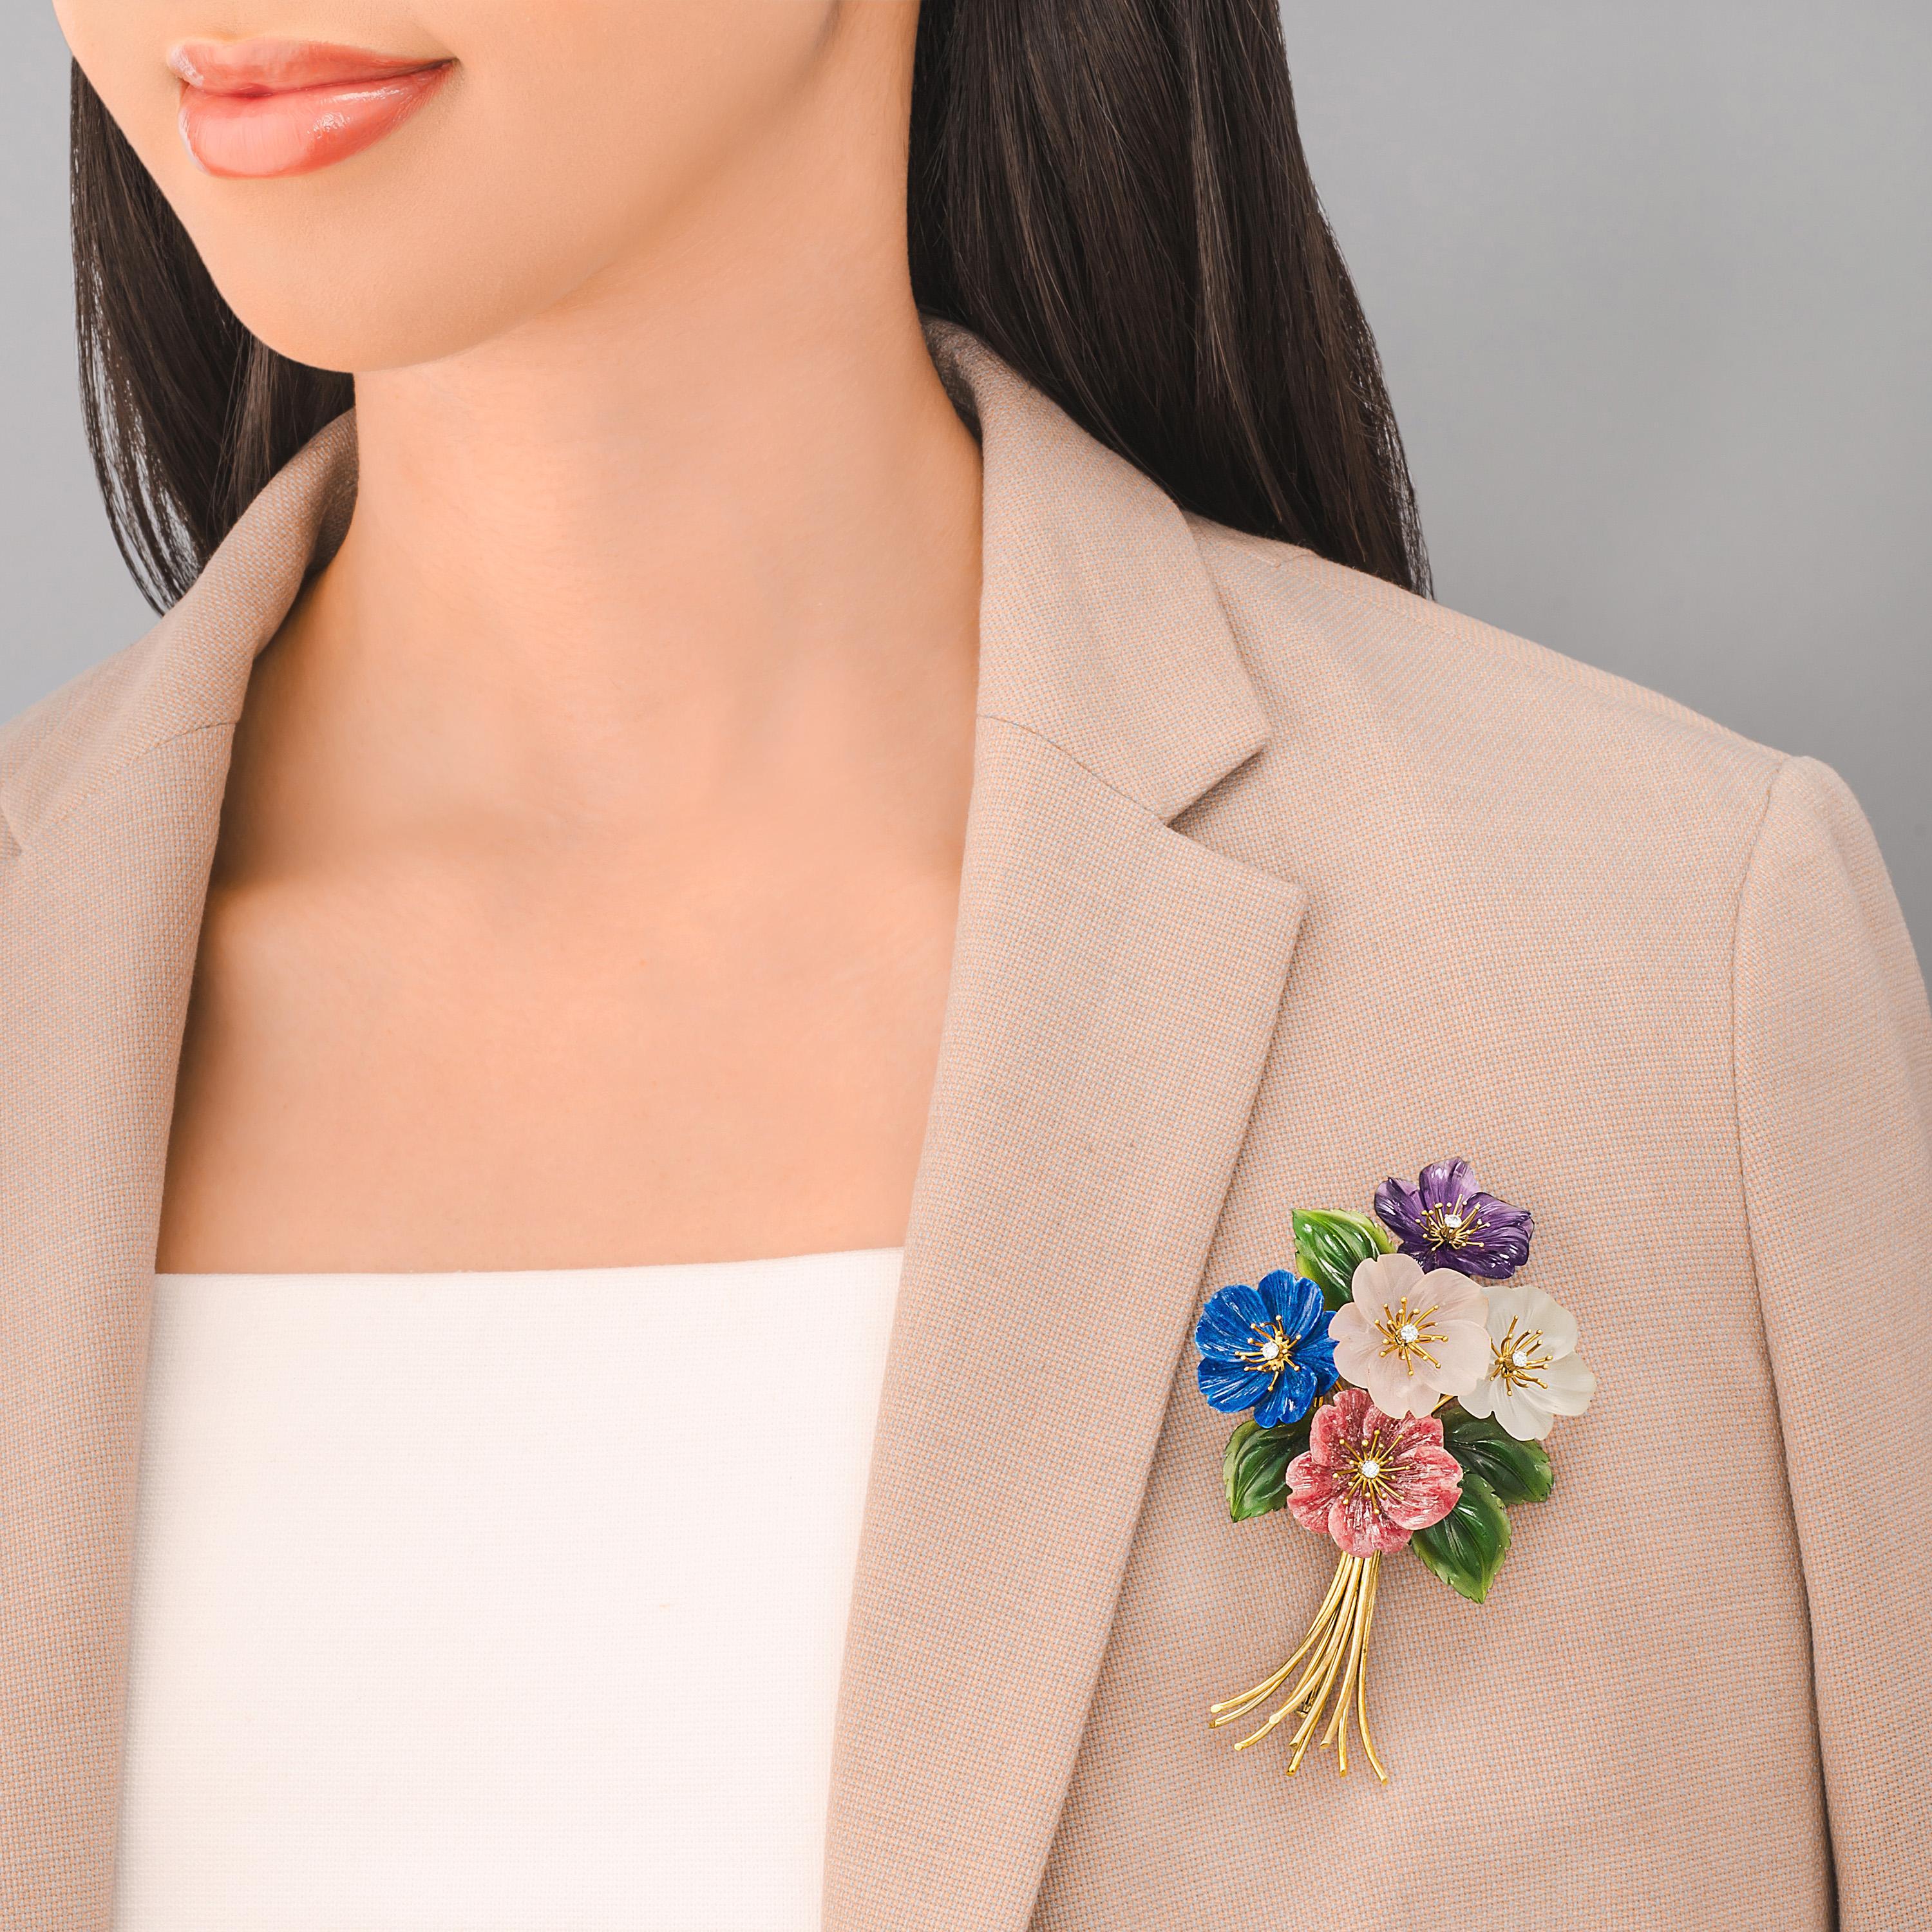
[(1111, 194)]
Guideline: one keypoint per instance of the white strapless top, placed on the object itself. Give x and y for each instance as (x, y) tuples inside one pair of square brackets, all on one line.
[(496, 1603)]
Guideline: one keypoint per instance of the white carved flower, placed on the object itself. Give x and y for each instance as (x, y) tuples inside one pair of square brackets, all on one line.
[(1534, 1373)]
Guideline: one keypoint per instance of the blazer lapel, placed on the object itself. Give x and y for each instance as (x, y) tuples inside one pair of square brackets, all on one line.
[(1116, 986), (108, 822)]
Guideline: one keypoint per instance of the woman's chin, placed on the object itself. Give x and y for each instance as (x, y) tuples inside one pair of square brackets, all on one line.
[(366, 314)]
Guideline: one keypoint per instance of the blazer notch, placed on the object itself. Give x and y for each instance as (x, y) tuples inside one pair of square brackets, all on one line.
[(190, 671), (1101, 628)]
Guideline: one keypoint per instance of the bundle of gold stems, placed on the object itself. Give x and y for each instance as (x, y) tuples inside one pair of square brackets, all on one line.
[(1337, 1646)]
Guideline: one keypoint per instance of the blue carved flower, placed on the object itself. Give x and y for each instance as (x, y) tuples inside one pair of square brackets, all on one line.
[(1446, 1221), (1266, 1348)]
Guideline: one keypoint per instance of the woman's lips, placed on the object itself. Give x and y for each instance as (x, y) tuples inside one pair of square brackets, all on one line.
[(255, 108)]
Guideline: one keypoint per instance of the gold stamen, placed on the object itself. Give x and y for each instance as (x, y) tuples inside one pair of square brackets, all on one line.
[(1394, 1342), (1450, 1226), (1504, 1368), (1258, 1361)]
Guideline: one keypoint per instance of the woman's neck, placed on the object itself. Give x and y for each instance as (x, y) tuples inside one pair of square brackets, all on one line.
[(706, 529)]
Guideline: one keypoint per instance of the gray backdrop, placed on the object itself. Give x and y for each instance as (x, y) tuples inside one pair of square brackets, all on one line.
[(1652, 279)]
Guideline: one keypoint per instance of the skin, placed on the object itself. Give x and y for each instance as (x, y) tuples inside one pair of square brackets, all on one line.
[(590, 864)]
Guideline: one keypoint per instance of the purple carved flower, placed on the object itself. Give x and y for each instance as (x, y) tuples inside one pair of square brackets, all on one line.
[(1445, 1221)]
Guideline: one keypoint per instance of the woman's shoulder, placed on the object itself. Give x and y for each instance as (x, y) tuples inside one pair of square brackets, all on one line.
[(1365, 616), (1363, 674), (1553, 837), (1542, 808)]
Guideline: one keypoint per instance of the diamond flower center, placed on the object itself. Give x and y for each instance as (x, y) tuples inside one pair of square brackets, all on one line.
[(1372, 1476), (1518, 1359), (1272, 1351), (1409, 1333), (1454, 1226)]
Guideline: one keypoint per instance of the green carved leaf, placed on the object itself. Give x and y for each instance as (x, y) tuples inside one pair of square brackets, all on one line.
[(1466, 1549), (1254, 1468), (1519, 1472), (1330, 1246), (1245, 1430)]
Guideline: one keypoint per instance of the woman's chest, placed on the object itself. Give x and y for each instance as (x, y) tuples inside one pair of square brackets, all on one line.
[(494, 1071)]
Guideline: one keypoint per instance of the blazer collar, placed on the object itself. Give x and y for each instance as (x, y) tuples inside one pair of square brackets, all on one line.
[(1100, 629), (1115, 988)]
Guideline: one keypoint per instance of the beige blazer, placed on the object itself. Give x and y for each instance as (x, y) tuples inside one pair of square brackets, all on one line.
[(1278, 881)]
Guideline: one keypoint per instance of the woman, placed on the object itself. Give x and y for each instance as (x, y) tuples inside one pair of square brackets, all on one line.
[(848, 741)]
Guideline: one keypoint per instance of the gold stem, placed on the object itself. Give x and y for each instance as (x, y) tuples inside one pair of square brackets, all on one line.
[(1292, 1703), (1239, 1707), (1336, 1653), (1362, 1678), (1337, 1732), (1297, 1699), (1332, 1655)]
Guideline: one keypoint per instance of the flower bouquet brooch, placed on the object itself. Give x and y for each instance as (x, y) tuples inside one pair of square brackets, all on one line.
[(1401, 1383)]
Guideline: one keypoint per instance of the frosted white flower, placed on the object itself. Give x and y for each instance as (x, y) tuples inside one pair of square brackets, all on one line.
[(1534, 1373)]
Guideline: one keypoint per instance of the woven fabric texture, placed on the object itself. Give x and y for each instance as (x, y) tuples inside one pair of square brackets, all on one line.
[(1278, 881)]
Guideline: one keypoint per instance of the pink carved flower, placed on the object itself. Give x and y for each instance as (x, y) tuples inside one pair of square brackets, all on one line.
[(1410, 1338), (1372, 1481)]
